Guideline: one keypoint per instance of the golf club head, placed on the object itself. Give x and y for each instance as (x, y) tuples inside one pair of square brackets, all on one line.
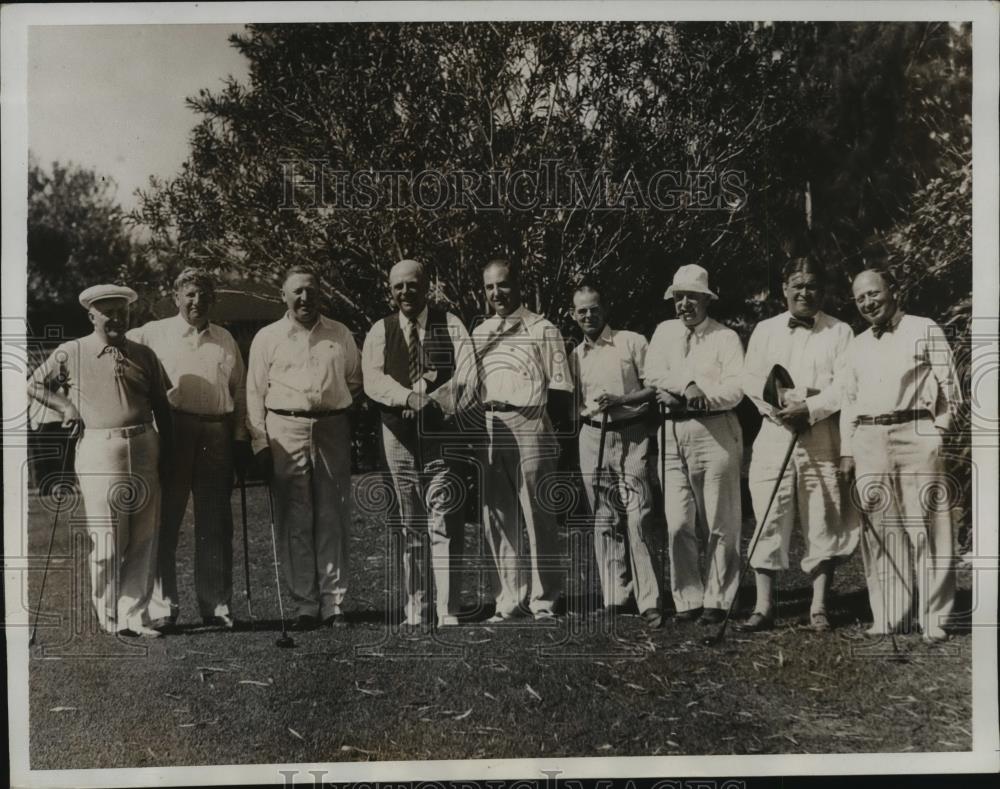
[(285, 642), (713, 640)]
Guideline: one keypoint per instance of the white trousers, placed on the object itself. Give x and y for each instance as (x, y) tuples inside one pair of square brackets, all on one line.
[(522, 453), (120, 492), (907, 499), (621, 489), (312, 496), (702, 504), (809, 491), (429, 505)]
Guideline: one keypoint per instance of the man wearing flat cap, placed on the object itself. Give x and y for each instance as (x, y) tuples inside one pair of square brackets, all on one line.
[(696, 364), (810, 345), (208, 399), (109, 389), (413, 362)]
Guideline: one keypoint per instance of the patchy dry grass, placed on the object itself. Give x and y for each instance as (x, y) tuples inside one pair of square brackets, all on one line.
[(578, 687)]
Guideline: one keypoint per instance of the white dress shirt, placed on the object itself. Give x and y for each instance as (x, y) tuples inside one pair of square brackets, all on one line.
[(383, 388), (813, 357), (614, 364), (714, 361), (909, 368), (205, 368), (297, 369), (521, 356)]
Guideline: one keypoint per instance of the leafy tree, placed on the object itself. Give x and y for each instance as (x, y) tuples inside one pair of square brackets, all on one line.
[(76, 238)]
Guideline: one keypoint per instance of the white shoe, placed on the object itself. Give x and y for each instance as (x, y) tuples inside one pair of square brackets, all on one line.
[(139, 630), (447, 621), (413, 619)]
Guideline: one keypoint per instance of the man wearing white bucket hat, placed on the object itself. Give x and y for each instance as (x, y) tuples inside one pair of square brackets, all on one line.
[(696, 365), (116, 387)]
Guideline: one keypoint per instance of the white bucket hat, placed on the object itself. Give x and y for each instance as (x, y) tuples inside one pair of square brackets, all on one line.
[(691, 278)]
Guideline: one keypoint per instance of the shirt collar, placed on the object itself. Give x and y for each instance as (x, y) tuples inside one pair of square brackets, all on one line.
[(606, 337), (701, 328), (294, 326), (186, 329), (404, 322)]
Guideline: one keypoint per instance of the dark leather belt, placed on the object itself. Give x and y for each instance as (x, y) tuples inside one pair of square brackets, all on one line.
[(497, 406), (680, 416), (617, 424), (204, 417), (308, 414), (895, 417)]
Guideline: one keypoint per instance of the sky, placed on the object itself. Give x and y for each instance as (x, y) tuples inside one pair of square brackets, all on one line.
[(111, 98)]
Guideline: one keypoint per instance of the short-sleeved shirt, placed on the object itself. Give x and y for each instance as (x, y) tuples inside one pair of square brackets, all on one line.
[(107, 393), (297, 369), (205, 368), (521, 357), (613, 364)]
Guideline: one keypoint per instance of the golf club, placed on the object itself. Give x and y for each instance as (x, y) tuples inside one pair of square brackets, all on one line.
[(52, 534), (663, 486), (715, 639), (286, 641), (866, 527), (246, 548)]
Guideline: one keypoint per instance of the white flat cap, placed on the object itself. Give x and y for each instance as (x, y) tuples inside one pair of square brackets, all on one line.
[(101, 292), (691, 278)]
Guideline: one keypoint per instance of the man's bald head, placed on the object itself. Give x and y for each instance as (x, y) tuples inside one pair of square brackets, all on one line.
[(408, 286), (875, 296)]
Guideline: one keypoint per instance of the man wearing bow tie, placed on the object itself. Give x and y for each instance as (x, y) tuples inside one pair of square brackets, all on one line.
[(413, 363), (114, 388), (901, 395), (525, 382), (810, 345)]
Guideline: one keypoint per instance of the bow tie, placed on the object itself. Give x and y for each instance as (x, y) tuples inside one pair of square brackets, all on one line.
[(878, 331), (801, 323)]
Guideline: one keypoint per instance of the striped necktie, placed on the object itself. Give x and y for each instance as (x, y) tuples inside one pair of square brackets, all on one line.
[(414, 354)]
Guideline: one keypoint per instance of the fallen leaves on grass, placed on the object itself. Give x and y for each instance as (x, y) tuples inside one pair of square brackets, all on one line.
[(195, 724), (352, 748), (532, 691), (267, 684), (173, 696), (63, 709), (367, 691), (295, 733), (464, 715), (489, 695), (606, 747)]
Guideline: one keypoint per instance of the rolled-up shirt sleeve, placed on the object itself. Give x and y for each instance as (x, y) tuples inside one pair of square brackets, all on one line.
[(378, 385), (847, 389), (655, 368), (727, 391), (830, 399), (256, 389)]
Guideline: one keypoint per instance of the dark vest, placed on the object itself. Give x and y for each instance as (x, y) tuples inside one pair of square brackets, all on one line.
[(438, 354)]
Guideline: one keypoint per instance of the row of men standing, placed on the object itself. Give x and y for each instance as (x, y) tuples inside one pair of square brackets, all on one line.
[(427, 375)]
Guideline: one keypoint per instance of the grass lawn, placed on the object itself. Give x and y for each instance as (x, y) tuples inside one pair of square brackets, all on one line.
[(576, 687)]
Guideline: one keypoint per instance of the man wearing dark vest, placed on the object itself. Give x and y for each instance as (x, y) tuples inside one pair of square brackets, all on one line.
[(413, 361)]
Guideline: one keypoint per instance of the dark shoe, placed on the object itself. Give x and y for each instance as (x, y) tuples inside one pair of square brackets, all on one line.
[(164, 625), (691, 615), (653, 618), (224, 621), (757, 623), (304, 622), (335, 620), (711, 616)]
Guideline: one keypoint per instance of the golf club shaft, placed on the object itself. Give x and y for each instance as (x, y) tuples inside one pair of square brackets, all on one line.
[(274, 551), (756, 539), (246, 547), (52, 537)]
